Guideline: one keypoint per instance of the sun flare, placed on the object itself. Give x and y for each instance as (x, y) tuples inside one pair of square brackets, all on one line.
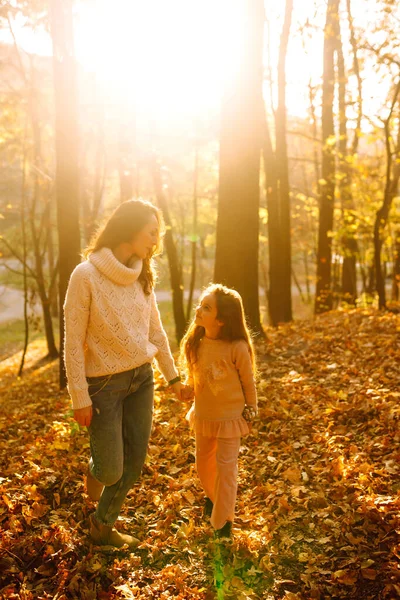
[(166, 56)]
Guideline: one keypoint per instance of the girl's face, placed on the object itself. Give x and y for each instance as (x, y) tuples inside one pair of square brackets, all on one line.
[(206, 315), (144, 242)]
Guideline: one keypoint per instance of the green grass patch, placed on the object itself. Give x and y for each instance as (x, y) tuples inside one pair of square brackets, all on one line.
[(167, 318), (13, 280), (12, 336)]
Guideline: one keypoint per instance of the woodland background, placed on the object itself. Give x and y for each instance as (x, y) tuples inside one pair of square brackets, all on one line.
[(269, 135)]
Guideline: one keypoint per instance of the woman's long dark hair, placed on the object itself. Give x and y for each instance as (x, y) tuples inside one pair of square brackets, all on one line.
[(231, 313), (127, 220)]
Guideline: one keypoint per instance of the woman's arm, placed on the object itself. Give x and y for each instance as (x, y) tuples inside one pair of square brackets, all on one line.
[(158, 338), (76, 316)]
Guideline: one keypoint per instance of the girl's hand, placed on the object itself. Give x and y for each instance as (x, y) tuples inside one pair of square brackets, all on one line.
[(249, 413), (177, 389), (187, 392), (83, 415)]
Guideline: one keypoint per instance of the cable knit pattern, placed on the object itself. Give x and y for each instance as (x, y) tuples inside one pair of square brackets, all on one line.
[(111, 325)]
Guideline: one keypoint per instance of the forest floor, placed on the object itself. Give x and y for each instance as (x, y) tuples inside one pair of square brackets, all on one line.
[(318, 510)]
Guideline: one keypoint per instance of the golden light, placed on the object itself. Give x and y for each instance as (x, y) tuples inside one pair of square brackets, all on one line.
[(169, 56)]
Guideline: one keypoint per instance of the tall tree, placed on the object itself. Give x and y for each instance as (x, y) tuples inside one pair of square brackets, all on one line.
[(323, 300), (172, 253), (66, 138), (391, 187), (283, 171), (347, 156), (278, 195), (274, 237), (194, 236), (30, 208), (236, 258)]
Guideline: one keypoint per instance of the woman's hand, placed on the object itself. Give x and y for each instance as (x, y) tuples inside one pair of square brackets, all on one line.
[(83, 415), (177, 389)]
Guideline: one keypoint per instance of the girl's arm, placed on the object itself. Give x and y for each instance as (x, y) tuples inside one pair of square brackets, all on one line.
[(158, 338), (76, 317), (242, 360)]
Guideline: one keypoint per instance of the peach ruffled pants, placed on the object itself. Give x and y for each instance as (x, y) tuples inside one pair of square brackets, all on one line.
[(216, 464)]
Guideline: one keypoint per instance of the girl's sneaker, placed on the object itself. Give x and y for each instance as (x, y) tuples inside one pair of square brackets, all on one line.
[(225, 531), (208, 507)]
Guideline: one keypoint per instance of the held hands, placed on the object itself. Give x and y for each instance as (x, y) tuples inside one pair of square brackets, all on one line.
[(83, 415), (182, 392), (187, 392)]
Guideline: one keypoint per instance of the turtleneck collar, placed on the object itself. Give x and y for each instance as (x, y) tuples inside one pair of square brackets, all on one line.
[(105, 261)]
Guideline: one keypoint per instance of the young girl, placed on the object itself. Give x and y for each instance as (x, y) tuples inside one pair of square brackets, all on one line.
[(219, 357)]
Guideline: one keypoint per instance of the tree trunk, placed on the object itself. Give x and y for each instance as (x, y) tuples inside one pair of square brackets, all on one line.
[(236, 257), (127, 159), (314, 134), (52, 351), (91, 197), (274, 239), (51, 260), (173, 261), (396, 269), (391, 185), (283, 170), (66, 138), (349, 244), (194, 236), (323, 300), (24, 256), (356, 69)]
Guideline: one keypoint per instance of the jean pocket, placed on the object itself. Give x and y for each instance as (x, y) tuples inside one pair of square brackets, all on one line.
[(97, 384)]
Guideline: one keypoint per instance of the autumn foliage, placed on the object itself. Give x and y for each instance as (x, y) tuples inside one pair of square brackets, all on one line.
[(318, 504)]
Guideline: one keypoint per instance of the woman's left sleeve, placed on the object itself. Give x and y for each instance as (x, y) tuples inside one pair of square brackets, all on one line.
[(158, 338), (242, 360)]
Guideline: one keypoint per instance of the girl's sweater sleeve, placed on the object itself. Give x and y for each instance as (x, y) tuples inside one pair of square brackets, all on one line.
[(158, 338), (242, 360), (76, 316)]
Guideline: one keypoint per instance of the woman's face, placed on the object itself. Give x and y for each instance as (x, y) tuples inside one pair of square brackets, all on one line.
[(145, 241)]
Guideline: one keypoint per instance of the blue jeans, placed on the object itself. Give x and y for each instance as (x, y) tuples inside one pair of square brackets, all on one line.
[(119, 434)]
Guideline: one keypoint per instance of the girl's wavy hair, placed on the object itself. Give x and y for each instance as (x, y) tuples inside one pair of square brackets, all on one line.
[(231, 312), (127, 220)]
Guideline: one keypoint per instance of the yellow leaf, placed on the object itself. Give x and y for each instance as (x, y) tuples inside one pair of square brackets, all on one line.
[(346, 577), (337, 466), (94, 565), (126, 590), (189, 497), (292, 474), (303, 557)]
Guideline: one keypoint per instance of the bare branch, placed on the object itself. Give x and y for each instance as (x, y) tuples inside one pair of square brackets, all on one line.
[(53, 280), (305, 135), (21, 65), (18, 257)]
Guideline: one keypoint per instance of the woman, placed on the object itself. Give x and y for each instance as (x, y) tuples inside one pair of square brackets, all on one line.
[(112, 333)]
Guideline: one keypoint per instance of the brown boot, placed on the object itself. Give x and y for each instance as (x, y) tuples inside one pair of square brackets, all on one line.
[(94, 488), (105, 535)]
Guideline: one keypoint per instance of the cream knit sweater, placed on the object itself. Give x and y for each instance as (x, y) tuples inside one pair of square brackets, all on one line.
[(111, 325)]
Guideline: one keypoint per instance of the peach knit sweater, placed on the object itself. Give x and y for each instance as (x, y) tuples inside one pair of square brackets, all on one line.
[(111, 325), (223, 383)]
